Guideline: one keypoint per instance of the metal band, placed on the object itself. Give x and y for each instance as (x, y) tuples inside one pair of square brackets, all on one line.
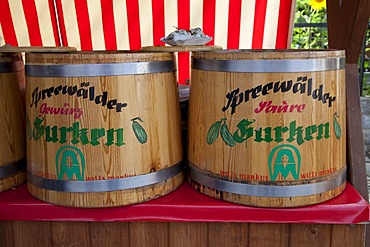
[(268, 190), (12, 168), (106, 69), (269, 66), (6, 67), (104, 185)]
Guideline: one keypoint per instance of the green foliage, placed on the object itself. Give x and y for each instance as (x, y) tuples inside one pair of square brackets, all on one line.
[(366, 85), (366, 77), (310, 37), (312, 34)]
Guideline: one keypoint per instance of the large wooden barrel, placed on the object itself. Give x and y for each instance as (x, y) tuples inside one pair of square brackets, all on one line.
[(267, 128), (103, 127), (12, 146)]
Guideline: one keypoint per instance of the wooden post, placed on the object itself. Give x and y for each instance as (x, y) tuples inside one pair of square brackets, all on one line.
[(347, 22)]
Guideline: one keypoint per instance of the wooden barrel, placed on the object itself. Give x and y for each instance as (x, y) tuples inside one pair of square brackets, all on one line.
[(103, 127), (12, 146), (267, 128)]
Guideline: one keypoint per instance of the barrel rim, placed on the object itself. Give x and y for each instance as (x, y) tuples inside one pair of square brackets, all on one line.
[(96, 52), (263, 190), (269, 65), (89, 54), (273, 51), (105, 185), (11, 62), (6, 67), (99, 69), (12, 168)]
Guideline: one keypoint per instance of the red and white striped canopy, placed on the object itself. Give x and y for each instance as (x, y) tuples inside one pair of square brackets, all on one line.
[(132, 24), (28, 23)]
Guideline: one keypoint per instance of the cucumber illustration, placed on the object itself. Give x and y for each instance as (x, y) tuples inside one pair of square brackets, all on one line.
[(213, 132), (337, 129), (139, 131), (226, 135)]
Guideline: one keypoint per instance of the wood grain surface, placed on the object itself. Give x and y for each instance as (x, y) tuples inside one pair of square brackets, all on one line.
[(168, 234), (18, 49), (236, 132), (107, 136), (12, 120)]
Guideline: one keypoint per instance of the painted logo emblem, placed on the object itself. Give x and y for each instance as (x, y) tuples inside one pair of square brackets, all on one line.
[(284, 159), (70, 163)]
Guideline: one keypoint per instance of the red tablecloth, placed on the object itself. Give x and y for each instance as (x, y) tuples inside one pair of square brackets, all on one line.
[(187, 205)]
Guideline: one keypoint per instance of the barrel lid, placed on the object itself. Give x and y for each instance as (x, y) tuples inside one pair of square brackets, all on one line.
[(97, 57), (253, 54), (18, 49)]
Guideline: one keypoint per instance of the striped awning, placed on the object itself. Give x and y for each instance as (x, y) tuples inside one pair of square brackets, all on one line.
[(28, 23), (132, 24)]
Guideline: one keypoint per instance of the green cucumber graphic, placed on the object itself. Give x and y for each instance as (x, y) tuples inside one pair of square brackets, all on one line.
[(213, 132), (139, 131), (226, 135), (337, 129)]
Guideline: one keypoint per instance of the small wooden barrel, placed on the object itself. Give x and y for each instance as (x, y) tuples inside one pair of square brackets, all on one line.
[(12, 146), (103, 127), (267, 128)]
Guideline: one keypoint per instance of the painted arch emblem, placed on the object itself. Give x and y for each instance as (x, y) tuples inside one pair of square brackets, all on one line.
[(70, 163), (284, 159)]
